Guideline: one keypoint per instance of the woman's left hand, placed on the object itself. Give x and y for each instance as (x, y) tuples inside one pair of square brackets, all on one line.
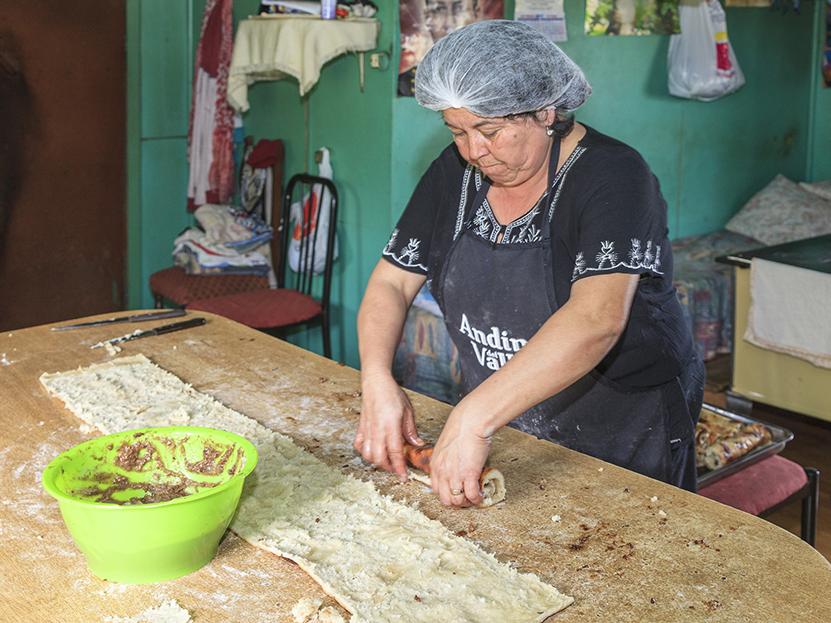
[(457, 462)]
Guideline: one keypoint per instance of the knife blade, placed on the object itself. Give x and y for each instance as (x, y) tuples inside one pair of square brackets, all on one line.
[(165, 328), (159, 315)]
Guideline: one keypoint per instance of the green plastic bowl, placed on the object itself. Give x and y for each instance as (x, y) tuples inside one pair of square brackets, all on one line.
[(133, 542)]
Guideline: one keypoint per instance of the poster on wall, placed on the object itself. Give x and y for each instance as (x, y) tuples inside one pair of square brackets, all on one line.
[(747, 4), (423, 22), (826, 50), (632, 17), (547, 16)]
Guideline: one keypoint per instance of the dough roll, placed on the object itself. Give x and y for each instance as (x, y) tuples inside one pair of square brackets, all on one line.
[(491, 482)]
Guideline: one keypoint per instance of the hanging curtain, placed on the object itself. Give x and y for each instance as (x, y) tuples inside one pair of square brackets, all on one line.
[(210, 135)]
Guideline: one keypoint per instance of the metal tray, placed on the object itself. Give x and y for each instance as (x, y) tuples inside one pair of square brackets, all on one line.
[(779, 437)]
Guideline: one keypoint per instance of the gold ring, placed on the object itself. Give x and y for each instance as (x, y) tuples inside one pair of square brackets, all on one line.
[(456, 492)]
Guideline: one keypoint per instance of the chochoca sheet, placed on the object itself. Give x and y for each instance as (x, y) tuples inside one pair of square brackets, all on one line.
[(383, 561)]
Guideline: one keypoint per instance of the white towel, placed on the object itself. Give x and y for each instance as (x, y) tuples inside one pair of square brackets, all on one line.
[(299, 46), (790, 311)]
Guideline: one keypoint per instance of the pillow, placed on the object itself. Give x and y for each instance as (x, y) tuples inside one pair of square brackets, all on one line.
[(823, 189), (782, 212)]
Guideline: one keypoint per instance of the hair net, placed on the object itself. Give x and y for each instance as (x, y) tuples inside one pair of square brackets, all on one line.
[(496, 68)]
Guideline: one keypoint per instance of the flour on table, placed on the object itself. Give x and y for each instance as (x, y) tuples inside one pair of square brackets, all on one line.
[(112, 349), (383, 561), (306, 609), (166, 612)]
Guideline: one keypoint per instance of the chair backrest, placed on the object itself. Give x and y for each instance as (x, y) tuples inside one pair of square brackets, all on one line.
[(269, 206), (311, 239)]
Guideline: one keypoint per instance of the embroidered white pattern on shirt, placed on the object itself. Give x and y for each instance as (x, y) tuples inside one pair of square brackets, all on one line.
[(531, 234), (559, 179), (647, 257), (408, 256), (482, 222), (462, 201)]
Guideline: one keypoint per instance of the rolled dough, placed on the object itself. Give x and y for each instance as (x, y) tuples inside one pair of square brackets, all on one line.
[(493, 485), (383, 561)]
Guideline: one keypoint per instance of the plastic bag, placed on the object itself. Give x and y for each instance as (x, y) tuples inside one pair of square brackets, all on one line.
[(701, 61), (317, 199)]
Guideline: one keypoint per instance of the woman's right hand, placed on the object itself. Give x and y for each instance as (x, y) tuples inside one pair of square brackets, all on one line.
[(386, 423)]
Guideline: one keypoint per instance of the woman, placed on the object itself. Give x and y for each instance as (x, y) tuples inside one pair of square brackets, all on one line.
[(545, 244)]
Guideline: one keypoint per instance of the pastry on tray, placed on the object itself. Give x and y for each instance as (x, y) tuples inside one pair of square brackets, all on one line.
[(720, 440)]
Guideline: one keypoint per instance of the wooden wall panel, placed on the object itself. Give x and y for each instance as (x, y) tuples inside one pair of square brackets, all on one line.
[(62, 252)]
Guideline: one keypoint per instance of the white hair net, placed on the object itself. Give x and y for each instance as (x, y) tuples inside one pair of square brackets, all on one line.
[(496, 68)]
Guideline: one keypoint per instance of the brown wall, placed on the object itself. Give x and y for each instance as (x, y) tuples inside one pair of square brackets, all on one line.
[(62, 159)]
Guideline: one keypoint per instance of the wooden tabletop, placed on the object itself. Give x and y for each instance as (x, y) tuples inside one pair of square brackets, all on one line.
[(591, 529)]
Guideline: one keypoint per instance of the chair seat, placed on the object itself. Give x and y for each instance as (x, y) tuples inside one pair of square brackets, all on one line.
[(262, 309), (758, 487), (176, 285)]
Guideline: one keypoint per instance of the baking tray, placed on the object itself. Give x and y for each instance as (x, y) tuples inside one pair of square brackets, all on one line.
[(778, 438)]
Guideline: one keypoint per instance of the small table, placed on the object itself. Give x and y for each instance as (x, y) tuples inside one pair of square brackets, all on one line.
[(762, 375)]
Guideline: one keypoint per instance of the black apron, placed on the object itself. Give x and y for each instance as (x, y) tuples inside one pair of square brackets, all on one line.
[(495, 297)]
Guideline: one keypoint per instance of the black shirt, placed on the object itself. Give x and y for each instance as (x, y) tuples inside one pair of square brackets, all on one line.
[(608, 217)]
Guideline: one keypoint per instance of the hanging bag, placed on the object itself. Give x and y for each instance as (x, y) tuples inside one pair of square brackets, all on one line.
[(701, 61), (316, 231)]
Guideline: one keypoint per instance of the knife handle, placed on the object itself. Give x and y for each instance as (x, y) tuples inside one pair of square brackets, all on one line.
[(178, 326)]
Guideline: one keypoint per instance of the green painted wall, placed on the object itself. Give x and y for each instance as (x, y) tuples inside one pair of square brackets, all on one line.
[(356, 127), (709, 157), (159, 68)]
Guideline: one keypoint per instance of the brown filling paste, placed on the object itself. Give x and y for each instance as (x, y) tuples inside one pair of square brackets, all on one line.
[(136, 455)]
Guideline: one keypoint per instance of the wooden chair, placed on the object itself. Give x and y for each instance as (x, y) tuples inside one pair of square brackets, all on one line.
[(175, 285), (298, 299), (766, 486)]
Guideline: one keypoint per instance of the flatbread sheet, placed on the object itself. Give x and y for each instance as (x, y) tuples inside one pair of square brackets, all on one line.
[(383, 561)]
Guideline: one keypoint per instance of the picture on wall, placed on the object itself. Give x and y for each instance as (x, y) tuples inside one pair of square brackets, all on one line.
[(826, 51), (423, 22), (632, 17)]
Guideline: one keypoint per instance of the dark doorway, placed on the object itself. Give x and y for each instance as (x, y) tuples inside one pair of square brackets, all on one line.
[(62, 159)]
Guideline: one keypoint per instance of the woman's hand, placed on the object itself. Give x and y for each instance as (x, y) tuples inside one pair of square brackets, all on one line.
[(458, 460), (386, 422)]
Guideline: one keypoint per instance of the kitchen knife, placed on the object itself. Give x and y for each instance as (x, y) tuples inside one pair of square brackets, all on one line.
[(165, 328), (159, 315)]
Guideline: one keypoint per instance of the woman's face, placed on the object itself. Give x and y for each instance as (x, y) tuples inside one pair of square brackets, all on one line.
[(508, 151)]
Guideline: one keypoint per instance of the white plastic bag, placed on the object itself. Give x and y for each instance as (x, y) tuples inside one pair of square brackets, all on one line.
[(316, 237), (701, 61)]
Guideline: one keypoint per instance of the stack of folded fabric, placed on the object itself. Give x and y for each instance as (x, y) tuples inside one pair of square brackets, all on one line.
[(227, 241)]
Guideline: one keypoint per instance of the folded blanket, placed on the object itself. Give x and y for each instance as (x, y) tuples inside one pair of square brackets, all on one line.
[(224, 224), (197, 255), (789, 311)]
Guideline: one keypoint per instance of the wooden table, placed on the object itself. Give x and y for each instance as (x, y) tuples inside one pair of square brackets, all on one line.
[(612, 548)]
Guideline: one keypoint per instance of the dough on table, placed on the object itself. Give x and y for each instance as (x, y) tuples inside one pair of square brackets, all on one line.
[(381, 560), (166, 612), (306, 609), (492, 481)]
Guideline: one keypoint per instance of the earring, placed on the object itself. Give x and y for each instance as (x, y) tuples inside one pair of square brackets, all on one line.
[(549, 131)]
